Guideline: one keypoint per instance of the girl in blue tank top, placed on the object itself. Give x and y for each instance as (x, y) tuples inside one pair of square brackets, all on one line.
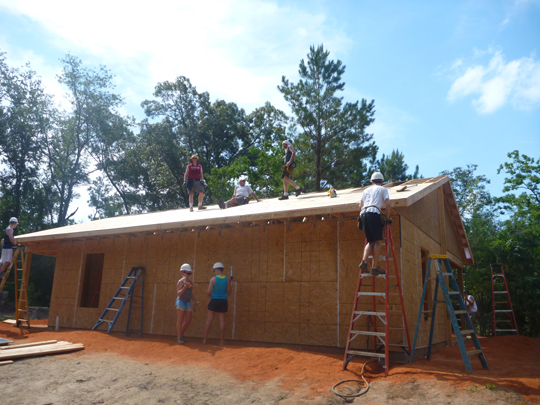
[(218, 290)]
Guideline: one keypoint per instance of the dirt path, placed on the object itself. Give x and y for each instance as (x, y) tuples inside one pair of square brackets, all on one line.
[(118, 370)]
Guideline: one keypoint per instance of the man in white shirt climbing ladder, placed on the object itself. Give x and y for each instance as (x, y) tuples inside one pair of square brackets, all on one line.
[(373, 199)]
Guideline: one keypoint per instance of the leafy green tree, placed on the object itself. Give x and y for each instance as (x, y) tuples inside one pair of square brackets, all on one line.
[(518, 244), (333, 143), (68, 145), (394, 168), (25, 115)]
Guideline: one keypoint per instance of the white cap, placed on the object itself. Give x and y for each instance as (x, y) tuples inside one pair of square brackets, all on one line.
[(377, 176), (286, 142), (185, 267), (218, 265), (243, 178), (13, 219)]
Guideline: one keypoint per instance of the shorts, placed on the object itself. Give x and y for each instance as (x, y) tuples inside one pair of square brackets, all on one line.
[(183, 305), (218, 305), (285, 174), (7, 255), (241, 200), (373, 227), (194, 184)]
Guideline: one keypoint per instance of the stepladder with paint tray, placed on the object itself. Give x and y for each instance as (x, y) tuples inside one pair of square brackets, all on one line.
[(132, 287), (378, 324), (455, 305)]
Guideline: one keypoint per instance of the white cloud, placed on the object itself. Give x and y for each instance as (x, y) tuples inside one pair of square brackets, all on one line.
[(237, 50), (498, 83)]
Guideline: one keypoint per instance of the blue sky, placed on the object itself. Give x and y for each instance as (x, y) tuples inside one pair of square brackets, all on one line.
[(454, 82)]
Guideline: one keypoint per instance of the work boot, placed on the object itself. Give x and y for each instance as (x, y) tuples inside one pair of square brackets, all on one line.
[(377, 271), (221, 203), (283, 197), (201, 207), (180, 341), (363, 266), (190, 209), (298, 191)]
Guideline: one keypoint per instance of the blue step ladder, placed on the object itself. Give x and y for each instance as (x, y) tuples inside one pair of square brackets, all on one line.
[(451, 297), (125, 292)]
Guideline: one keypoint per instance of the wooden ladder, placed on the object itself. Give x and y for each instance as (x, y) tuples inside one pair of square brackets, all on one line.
[(124, 293), (21, 276), (440, 261), (497, 290), (380, 311)]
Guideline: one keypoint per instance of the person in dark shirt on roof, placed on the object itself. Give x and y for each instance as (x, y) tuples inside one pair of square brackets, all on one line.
[(193, 178)]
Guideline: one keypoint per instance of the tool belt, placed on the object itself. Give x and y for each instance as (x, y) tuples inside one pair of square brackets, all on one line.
[(362, 217)]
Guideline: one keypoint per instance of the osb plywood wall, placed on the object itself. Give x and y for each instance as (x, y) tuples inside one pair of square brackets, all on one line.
[(292, 285)]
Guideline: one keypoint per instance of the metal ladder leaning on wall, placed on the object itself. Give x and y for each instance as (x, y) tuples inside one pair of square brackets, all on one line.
[(439, 260), (21, 276), (124, 293), (495, 291), (380, 339)]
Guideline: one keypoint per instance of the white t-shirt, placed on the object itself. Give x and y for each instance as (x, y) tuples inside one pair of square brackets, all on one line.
[(374, 195), (243, 191), (471, 308)]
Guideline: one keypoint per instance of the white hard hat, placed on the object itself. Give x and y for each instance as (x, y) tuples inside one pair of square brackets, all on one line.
[(13, 219), (185, 267), (218, 265), (377, 176)]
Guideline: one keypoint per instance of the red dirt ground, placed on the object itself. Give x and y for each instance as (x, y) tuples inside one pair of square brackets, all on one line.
[(514, 361)]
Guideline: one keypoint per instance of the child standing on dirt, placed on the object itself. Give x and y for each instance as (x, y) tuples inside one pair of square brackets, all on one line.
[(183, 302), (218, 290)]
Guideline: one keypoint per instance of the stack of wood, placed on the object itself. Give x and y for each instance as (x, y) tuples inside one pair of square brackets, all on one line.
[(17, 351)]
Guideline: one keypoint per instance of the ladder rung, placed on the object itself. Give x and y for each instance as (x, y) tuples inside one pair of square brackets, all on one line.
[(498, 275), (467, 331), (112, 309), (125, 288), (366, 354), (506, 330), (473, 352), (460, 311), (131, 277), (118, 298), (374, 294), (502, 310), (369, 313), (454, 292), (367, 333), (448, 274), (500, 292)]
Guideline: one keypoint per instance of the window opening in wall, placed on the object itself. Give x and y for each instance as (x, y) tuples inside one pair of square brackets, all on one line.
[(429, 296), (93, 271)]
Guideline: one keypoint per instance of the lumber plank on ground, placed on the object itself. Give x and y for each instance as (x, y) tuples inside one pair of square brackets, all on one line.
[(39, 351), (5, 363), (10, 321), (46, 342)]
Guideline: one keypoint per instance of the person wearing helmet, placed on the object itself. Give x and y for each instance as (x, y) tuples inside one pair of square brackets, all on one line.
[(218, 290), (193, 178), (8, 246), (373, 199), (184, 288), (288, 168), (240, 196)]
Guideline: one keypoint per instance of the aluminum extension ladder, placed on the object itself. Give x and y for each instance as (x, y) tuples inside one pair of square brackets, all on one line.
[(439, 261), (380, 312), (21, 276), (124, 293), (508, 310)]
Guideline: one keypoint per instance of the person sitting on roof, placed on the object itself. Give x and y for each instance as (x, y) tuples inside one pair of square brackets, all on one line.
[(240, 196), (371, 204), (193, 178)]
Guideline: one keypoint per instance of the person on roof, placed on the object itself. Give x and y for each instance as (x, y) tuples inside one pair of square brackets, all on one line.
[(218, 290), (193, 178), (240, 196), (184, 287), (8, 246), (288, 168), (373, 200)]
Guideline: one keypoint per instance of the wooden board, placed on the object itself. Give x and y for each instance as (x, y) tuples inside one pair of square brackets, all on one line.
[(39, 351), (47, 342)]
